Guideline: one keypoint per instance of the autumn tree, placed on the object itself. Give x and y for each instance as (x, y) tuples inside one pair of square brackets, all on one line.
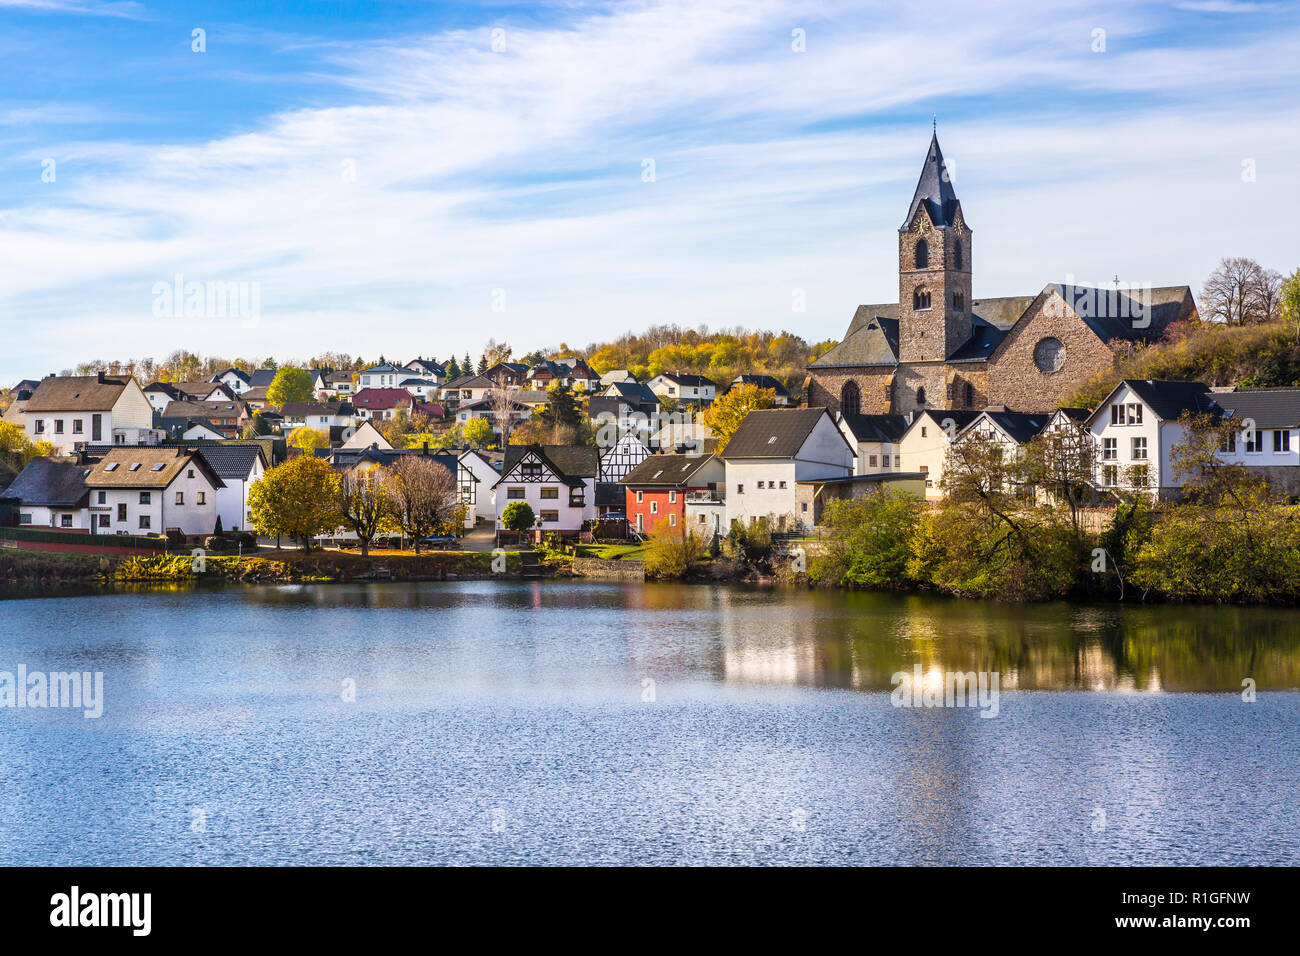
[(478, 433), (307, 439), (729, 410), (365, 503), (291, 384), (298, 500), (1289, 301), (424, 493)]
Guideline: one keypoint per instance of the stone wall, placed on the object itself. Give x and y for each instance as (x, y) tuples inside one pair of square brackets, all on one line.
[(609, 570), (1014, 380)]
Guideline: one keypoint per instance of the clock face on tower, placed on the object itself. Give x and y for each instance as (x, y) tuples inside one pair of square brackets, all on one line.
[(1049, 355)]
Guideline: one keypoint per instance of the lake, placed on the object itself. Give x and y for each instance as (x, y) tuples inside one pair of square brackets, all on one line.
[(486, 722)]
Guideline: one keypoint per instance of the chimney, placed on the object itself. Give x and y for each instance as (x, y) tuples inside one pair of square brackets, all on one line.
[(99, 376)]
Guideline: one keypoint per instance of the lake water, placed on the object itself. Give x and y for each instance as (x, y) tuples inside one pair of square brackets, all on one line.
[(500, 722)]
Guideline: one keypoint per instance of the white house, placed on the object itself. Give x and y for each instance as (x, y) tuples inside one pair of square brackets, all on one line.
[(1011, 430), (773, 450), (365, 435), (874, 439), (239, 467), (51, 493), (152, 490), (384, 375), (424, 389), (557, 481), (924, 446), (1137, 427), (690, 389), (67, 410), (235, 380), (319, 415), (435, 372), (478, 476), (622, 456)]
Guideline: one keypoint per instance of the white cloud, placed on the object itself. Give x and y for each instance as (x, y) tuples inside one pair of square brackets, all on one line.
[(522, 170)]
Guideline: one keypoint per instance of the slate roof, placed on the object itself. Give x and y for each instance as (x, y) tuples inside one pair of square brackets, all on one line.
[(1020, 427), (666, 471), (762, 381), (1268, 407), (77, 393), (571, 463), (934, 188), (937, 416), (304, 409), (773, 432), (683, 378), (115, 470), (262, 377), (632, 392), (872, 336), (50, 482), (203, 410), (344, 458), (471, 381), (232, 461), (1169, 400), (200, 388), (242, 376), (875, 428)]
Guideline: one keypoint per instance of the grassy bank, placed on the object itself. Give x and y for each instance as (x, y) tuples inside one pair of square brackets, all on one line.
[(295, 566)]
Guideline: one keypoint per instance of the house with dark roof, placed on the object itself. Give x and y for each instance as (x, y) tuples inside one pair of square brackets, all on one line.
[(1012, 430), (234, 379), (763, 381), (435, 372), (383, 375), (68, 410), (51, 493), (239, 466), (770, 453), (923, 446), (939, 347), (557, 481), (152, 491), (656, 490), (1140, 423), (226, 417), (874, 439), (684, 388)]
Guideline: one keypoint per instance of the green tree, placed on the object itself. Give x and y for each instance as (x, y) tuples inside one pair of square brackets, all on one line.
[(518, 516), (297, 499), (291, 384), (1289, 301), (869, 540)]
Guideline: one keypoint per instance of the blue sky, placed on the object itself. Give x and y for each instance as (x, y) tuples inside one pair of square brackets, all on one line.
[(393, 183)]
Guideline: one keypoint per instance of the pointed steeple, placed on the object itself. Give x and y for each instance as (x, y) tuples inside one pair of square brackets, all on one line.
[(934, 188)]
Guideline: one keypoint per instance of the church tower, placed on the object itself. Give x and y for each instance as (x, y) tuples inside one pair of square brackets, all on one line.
[(934, 268)]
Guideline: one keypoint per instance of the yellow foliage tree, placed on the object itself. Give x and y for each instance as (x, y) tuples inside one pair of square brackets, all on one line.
[(728, 411), (298, 499)]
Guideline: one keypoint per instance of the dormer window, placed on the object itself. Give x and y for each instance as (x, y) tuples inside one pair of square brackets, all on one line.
[(922, 254)]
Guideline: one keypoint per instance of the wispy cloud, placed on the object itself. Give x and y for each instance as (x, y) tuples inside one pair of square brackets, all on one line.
[(446, 169), (124, 9)]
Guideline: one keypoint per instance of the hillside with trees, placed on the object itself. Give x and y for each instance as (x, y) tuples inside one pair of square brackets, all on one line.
[(1246, 333)]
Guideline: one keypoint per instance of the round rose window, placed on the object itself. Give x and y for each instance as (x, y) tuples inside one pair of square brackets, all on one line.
[(1049, 355)]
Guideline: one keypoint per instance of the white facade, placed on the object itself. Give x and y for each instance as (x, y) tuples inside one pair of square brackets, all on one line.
[(480, 496), (759, 487), (189, 503), (66, 429), (552, 500), (233, 382), (232, 500), (1132, 439), (924, 448), (63, 519), (383, 376), (664, 385)]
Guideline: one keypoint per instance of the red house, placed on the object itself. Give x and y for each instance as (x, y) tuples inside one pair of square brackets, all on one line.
[(656, 489), (381, 403)]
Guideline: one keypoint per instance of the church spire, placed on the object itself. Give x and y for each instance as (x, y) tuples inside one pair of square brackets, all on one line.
[(934, 188)]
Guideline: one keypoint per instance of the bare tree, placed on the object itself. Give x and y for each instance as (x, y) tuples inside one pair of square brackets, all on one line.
[(1240, 292), (504, 402), (365, 502), (425, 495)]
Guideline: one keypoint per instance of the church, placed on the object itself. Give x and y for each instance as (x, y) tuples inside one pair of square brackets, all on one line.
[(939, 347)]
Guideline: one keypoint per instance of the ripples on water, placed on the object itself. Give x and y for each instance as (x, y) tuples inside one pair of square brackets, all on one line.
[(511, 723)]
